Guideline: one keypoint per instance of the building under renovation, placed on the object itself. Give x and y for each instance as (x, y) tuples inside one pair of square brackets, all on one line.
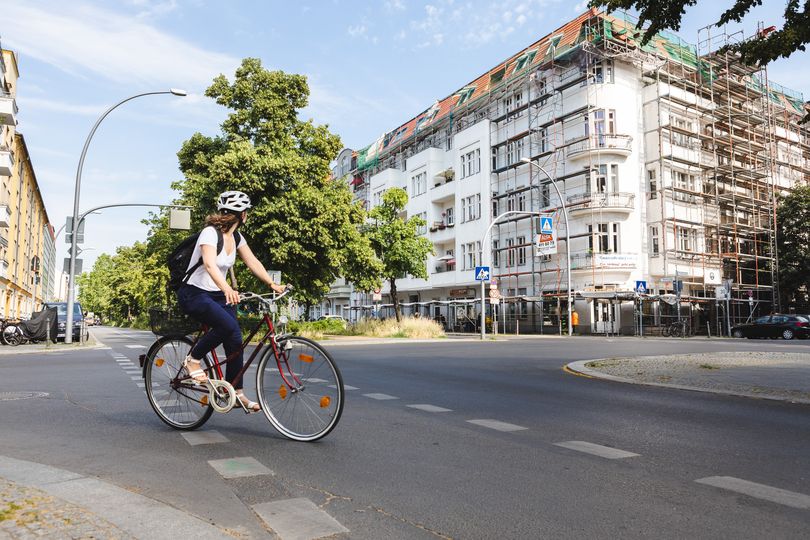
[(669, 159)]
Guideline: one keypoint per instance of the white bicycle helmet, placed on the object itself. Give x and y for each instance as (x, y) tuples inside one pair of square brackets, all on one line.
[(234, 201)]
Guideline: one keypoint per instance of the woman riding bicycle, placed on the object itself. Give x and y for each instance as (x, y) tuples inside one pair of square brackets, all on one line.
[(206, 295)]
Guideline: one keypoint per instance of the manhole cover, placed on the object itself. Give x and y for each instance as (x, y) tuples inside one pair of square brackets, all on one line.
[(12, 396)]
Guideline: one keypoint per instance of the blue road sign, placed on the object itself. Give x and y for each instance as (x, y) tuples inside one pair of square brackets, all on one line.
[(482, 273), (546, 225), (641, 287)]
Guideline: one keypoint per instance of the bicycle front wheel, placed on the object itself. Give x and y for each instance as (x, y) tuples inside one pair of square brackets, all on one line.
[(300, 389), (180, 405), (12, 335)]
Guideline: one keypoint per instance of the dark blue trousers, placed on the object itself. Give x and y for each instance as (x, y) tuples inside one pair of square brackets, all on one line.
[(210, 309)]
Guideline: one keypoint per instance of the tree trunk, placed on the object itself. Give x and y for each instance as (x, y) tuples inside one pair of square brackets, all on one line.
[(394, 298)]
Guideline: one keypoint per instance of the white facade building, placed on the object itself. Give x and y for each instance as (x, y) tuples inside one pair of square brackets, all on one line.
[(667, 164)]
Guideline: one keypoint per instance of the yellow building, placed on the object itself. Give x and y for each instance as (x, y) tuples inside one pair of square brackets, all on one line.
[(27, 249)]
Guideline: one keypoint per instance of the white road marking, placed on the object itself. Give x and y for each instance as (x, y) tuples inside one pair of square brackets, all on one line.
[(345, 387), (298, 519), (140, 384), (596, 449), (380, 396), (239, 467), (759, 491), (429, 408), (136, 377), (135, 347), (195, 438), (315, 380), (497, 425)]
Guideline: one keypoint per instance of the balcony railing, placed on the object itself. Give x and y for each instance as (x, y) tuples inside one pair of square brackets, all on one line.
[(602, 201), (8, 110), (606, 261), (605, 143)]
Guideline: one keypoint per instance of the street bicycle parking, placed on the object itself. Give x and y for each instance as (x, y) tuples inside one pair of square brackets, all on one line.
[(299, 386), (677, 329)]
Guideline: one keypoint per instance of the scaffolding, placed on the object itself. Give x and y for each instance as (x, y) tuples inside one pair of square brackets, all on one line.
[(722, 143)]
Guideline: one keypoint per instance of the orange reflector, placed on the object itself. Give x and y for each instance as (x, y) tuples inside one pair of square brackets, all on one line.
[(306, 358), (282, 391), (159, 362), (204, 401), (325, 400)]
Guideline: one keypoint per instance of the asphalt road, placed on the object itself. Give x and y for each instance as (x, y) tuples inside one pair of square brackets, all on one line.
[(490, 466)]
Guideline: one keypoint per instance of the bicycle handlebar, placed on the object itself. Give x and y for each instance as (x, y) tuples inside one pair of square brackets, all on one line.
[(263, 297)]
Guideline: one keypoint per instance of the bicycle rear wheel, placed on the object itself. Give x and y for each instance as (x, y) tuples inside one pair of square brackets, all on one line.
[(301, 392), (12, 335), (181, 406)]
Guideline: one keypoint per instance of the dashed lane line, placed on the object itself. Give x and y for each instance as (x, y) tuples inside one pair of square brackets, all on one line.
[(134, 346), (240, 467), (429, 408), (759, 491), (345, 387), (497, 425), (195, 438), (298, 519), (381, 397), (596, 449)]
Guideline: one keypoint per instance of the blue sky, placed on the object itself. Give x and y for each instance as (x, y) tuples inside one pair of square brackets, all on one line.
[(371, 66)]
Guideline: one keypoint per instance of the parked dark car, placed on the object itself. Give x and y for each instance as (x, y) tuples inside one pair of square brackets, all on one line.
[(774, 326), (61, 310)]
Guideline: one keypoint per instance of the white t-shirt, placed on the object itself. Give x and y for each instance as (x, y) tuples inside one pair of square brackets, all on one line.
[(201, 278)]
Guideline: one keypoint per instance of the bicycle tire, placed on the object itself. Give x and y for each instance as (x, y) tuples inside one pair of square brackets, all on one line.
[(180, 409), (308, 404), (665, 331)]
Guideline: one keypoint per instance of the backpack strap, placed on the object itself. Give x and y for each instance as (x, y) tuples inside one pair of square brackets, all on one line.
[(220, 246)]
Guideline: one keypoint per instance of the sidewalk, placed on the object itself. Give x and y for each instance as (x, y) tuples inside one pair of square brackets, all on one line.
[(762, 375), (38, 501)]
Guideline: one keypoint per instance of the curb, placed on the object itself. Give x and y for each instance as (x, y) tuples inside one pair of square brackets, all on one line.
[(50, 350), (580, 368), (139, 516)]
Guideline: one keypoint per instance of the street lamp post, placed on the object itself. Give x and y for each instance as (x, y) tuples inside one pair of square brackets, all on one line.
[(75, 221), (567, 239)]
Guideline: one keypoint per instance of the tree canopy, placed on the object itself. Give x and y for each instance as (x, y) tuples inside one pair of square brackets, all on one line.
[(793, 244), (397, 243), (303, 222)]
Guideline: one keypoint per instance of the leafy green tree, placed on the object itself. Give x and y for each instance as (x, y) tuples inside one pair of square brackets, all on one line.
[(396, 242), (303, 222), (793, 243)]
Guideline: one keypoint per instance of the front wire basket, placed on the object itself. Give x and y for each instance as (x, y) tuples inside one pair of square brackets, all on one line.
[(171, 321)]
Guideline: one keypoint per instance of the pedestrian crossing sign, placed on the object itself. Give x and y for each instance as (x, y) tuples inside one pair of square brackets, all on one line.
[(641, 287), (546, 225), (482, 273)]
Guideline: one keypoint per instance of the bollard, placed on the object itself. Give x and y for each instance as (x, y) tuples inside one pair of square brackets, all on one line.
[(47, 332)]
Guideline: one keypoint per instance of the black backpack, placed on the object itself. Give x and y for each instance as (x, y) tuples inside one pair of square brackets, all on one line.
[(178, 260)]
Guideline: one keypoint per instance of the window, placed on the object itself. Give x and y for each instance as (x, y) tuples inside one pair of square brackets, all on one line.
[(604, 123), (510, 203), (545, 195), (471, 208), (541, 136), (603, 238), (602, 71), (448, 139), (521, 251), (471, 163), (378, 197), (510, 252), (496, 254), (653, 183), (601, 183), (525, 60), (521, 201), (514, 151), (686, 239), (514, 103), (422, 229), (469, 253), (495, 208), (418, 184), (449, 215), (655, 248)]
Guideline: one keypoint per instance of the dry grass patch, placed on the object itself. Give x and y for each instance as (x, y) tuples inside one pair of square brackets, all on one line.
[(408, 328)]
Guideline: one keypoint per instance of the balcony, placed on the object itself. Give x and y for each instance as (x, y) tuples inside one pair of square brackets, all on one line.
[(6, 161), (603, 202), (8, 111), (441, 232), (4, 269), (620, 145), (5, 216), (604, 261)]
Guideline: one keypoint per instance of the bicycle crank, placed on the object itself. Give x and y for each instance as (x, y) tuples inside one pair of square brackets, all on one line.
[(221, 395)]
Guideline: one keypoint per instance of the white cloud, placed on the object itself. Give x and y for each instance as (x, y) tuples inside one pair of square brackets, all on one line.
[(395, 5), (581, 6), (358, 30), (91, 42)]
